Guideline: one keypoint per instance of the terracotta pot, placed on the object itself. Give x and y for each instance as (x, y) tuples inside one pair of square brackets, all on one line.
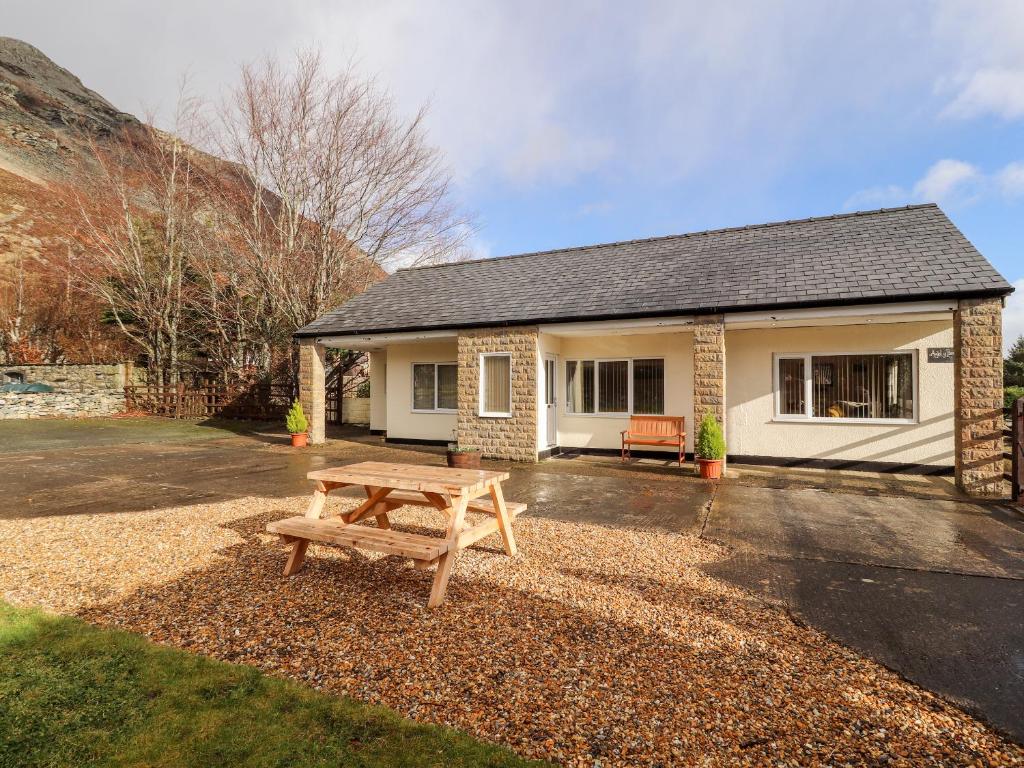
[(464, 459), (710, 469), (300, 440)]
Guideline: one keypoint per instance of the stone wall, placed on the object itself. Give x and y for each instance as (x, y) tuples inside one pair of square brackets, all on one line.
[(355, 410), (79, 391), (978, 382), (708, 369), (515, 437)]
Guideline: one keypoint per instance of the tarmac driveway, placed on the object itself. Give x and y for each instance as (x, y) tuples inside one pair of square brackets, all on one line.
[(932, 589)]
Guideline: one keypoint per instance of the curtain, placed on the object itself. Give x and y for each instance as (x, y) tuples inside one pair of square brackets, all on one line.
[(497, 384), (448, 387), (613, 386), (649, 387), (791, 387)]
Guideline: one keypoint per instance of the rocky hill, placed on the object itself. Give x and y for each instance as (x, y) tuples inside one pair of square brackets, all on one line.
[(44, 113)]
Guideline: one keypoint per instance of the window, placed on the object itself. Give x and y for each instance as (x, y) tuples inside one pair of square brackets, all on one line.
[(496, 384), (613, 387), (435, 387), (875, 387)]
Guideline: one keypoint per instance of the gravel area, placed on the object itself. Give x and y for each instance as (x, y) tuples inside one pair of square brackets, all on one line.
[(594, 646)]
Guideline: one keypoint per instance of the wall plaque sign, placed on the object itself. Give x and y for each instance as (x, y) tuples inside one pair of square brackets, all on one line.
[(940, 354)]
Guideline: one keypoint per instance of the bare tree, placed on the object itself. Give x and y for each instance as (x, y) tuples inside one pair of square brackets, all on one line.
[(137, 213), (337, 186)]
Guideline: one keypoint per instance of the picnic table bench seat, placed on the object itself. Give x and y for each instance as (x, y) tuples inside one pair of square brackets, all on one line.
[(669, 431), (334, 530), (484, 506)]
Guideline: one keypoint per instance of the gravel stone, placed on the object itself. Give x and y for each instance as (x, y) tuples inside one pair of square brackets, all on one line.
[(593, 646)]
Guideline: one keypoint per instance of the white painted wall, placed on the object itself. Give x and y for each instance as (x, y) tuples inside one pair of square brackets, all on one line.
[(378, 391), (401, 421), (582, 431), (750, 397)]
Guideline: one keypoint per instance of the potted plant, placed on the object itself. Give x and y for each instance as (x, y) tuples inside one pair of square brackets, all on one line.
[(297, 425), (463, 457), (710, 448)]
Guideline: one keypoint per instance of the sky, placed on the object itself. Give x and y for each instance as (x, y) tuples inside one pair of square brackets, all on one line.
[(572, 123)]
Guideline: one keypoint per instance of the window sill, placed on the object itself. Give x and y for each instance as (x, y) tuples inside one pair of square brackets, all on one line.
[(824, 420), (434, 411), (495, 415)]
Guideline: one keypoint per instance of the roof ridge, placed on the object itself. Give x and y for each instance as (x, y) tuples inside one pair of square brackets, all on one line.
[(721, 230)]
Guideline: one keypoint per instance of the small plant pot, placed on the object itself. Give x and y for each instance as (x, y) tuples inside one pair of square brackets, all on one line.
[(710, 469), (300, 440), (463, 459)]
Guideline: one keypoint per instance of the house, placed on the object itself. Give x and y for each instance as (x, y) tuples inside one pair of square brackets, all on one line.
[(863, 340)]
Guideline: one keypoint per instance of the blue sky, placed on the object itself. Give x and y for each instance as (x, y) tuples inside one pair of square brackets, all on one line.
[(582, 122)]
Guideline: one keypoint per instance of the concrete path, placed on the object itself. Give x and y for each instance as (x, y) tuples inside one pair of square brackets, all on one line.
[(932, 589)]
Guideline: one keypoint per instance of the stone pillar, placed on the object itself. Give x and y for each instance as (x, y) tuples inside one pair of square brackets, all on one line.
[(708, 370), (978, 384), (512, 438), (313, 387)]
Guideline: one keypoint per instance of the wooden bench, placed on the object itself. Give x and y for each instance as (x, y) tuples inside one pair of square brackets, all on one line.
[(334, 530), (655, 430), (397, 499)]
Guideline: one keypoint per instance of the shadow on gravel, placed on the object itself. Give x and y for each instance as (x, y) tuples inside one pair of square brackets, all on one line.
[(563, 653)]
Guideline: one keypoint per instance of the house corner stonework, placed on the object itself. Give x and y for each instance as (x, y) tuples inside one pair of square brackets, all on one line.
[(313, 388), (709, 368), (515, 437), (978, 384)]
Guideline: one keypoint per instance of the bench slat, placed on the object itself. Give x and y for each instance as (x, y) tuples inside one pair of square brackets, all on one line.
[(335, 531)]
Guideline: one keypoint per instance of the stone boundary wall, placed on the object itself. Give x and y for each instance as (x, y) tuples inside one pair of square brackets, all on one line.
[(79, 391), (355, 410), (512, 438)]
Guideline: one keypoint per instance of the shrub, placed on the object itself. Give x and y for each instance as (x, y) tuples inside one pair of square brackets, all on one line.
[(710, 441), (363, 390), (1010, 394), (295, 422)]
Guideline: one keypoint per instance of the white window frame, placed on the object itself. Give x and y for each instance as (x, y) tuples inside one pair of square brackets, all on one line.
[(412, 387), (597, 398), (480, 388), (807, 416)]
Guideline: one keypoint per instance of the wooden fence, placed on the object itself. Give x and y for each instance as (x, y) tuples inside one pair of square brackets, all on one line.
[(263, 401), (1016, 453)]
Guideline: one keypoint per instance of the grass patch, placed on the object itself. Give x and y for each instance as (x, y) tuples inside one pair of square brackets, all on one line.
[(74, 694)]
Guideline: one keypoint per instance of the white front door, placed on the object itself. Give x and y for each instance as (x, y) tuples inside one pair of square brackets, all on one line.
[(550, 399)]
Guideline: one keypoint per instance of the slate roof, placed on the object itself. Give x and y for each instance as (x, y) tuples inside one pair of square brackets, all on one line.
[(893, 254)]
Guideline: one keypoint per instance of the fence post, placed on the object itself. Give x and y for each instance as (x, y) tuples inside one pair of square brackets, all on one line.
[(1017, 447)]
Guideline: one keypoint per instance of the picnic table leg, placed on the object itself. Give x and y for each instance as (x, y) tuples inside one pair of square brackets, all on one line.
[(297, 556), (447, 560), (504, 522), (381, 509)]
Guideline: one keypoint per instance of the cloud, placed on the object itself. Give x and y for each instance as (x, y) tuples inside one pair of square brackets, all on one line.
[(990, 91), (1013, 316), (1011, 180), (951, 183), (947, 180)]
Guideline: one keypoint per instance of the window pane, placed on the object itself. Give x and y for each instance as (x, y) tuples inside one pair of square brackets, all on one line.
[(613, 386), (579, 386), (497, 391), (448, 386), (549, 382), (791, 387), (423, 387), (863, 386), (649, 386)]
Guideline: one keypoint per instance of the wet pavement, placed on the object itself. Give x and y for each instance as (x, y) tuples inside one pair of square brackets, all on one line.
[(900, 569), (932, 589)]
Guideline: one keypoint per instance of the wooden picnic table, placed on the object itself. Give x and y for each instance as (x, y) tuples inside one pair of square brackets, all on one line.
[(388, 487)]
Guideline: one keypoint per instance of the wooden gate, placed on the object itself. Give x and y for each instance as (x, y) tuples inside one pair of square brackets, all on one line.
[(1016, 452)]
